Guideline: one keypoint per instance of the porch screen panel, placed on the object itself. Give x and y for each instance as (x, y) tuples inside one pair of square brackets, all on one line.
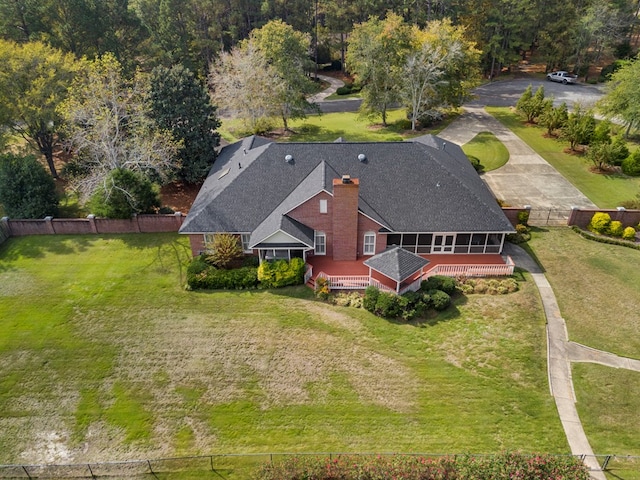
[(494, 241), (478, 241), (424, 243), (394, 239), (462, 243), (409, 241)]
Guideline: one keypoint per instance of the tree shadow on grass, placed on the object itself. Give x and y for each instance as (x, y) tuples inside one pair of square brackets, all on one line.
[(36, 246)]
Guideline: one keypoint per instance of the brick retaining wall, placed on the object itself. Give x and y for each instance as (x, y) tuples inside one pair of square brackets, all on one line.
[(91, 225)]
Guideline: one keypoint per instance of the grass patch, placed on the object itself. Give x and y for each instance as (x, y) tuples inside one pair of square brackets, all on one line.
[(348, 125), (605, 190), (488, 149), (103, 350), (595, 284), (607, 398)]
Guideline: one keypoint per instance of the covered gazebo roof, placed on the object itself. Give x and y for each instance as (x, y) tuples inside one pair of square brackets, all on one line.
[(396, 263)]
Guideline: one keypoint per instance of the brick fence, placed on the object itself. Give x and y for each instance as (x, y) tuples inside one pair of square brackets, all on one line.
[(90, 225), (582, 216)]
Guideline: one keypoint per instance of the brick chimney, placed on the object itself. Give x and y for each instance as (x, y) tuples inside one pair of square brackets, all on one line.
[(345, 218)]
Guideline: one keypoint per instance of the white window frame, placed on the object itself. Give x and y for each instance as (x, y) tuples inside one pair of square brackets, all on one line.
[(323, 205), (320, 243), (244, 239), (369, 244)]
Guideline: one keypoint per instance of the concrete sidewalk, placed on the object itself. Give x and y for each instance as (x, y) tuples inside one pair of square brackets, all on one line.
[(526, 179)]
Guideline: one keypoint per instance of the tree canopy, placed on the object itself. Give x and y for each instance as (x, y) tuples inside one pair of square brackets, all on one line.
[(109, 127), (181, 104), (622, 98), (33, 82), (26, 189)]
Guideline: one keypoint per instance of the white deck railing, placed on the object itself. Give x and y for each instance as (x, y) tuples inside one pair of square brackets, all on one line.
[(308, 273), (360, 282)]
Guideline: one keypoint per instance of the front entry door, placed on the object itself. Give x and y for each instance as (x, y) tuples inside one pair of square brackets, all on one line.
[(442, 244)]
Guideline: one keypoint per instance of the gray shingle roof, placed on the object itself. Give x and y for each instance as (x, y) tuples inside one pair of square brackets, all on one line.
[(396, 263), (419, 185)]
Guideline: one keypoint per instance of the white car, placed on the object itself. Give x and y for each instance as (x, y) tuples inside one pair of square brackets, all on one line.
[(562, 77)]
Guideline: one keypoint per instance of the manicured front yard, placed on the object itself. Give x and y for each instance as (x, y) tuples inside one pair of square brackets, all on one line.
[(104, 356), (605, 190), (598, 292)]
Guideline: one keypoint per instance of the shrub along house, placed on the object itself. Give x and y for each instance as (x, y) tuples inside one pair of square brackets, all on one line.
[(386, 214)]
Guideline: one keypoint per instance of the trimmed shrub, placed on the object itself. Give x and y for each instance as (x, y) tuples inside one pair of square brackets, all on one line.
[(600, 223), (616, 229), (629, 233), (523, 217), (124, 193), (607, 240), (388, 305), (201, 275), (439, 282), (281, 273), (475, 162), (440, 300), (370, 299), (631, 164)]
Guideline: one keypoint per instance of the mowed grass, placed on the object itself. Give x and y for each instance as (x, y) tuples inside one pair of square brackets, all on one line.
[(605, 190), (105, 356), (351, 126), (486, 147), (597, 287)]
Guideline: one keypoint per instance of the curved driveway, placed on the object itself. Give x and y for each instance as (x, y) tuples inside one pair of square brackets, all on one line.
[(526, 179)]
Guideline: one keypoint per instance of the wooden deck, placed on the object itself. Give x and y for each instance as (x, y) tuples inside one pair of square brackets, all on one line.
[(439, 264)]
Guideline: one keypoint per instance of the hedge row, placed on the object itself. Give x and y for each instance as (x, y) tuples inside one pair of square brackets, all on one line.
[(506, 466), (281, 273), (201, 275), (607, 240)]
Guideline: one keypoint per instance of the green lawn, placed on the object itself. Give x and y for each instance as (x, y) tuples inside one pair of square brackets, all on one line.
[(598, 292), (104, 356), (349, 125), (488, 149), (606, 191)]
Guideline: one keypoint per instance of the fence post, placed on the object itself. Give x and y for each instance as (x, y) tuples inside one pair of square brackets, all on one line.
[(606, 462), (572, 216), (26, 471), (136, 223), (178, 217), (92, 223), (48, 219)]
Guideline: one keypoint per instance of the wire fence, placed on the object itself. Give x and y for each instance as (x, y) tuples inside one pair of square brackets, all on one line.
[(236, 466)]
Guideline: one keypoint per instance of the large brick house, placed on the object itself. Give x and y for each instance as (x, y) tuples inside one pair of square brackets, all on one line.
[(352, 208)]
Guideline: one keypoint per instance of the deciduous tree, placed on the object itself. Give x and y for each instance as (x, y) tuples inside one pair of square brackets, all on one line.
[(376, 56), (622, 98), (109, 128), (33, 82)]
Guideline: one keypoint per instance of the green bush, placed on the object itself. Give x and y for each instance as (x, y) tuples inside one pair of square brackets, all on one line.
[(389, 305), (439, 282), (370, 299), (124, 193), (26, 188), (224, 249), (600, 223), (201, 275), (281, 273), (629, 233), (631, 164), (440, 300), (475, 162), (606, 240), (523, 217), (616, 229)]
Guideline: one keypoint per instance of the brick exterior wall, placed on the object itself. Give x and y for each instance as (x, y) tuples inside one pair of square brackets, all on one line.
[(345, 219), (582, 217), (197, 244), (309, 214), (365, 224)]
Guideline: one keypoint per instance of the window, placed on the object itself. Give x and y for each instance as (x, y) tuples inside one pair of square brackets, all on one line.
[(394, 239), (321, 243), (245, 237), (369, 243), (323, 206)]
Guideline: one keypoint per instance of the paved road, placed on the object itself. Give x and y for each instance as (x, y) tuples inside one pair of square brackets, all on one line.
[(505, 93)]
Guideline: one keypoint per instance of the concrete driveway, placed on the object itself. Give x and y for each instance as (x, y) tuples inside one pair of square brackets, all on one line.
[(526, 179)]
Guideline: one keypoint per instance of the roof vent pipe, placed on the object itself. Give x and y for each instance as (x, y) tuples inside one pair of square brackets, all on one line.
[(288, 158), (362, 157)]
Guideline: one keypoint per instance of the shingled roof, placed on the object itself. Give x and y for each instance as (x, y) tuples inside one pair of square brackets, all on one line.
[(420, 185), (396, 263)]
